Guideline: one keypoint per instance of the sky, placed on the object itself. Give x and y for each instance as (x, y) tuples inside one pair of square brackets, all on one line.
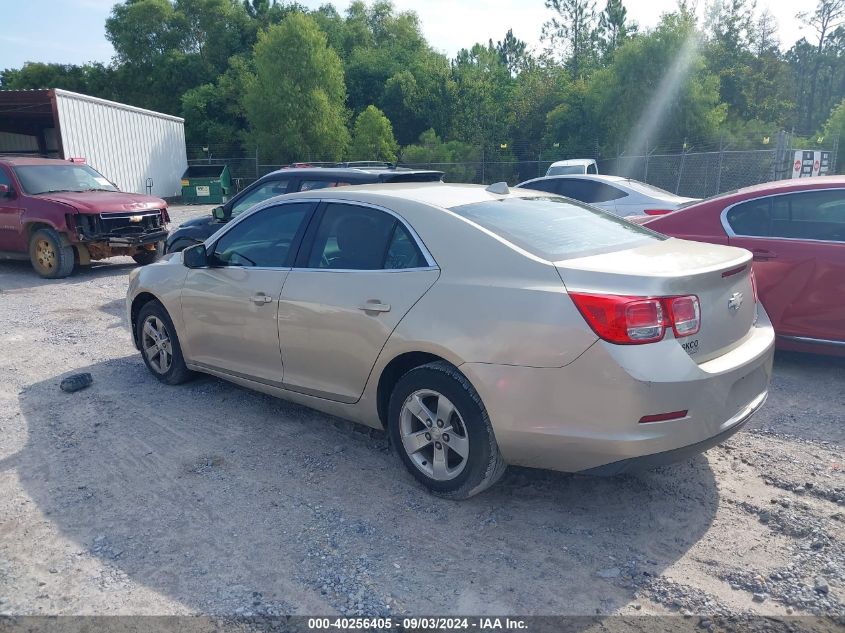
[(73, 31)]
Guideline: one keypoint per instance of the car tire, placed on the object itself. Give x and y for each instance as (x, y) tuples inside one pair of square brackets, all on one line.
[(454, 458), (50, 257), (162, 357), (148, 257)]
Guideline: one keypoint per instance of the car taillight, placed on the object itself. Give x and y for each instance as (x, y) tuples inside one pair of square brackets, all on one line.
[(657, 211), (628, 320), (686, 315)]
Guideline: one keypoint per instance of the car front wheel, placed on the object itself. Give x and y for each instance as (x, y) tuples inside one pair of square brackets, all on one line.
[(50, 257), (160, 346), (441, 430)]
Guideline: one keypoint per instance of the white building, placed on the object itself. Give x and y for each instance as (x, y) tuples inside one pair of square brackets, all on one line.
[(139, 150)]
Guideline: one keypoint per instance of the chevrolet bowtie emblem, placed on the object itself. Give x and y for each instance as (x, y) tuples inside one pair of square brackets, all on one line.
[(135, 219), (735, 302)]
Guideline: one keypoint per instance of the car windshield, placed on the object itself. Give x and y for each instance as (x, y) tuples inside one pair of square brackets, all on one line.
[(566, 170), (37, 179), (555, 228)]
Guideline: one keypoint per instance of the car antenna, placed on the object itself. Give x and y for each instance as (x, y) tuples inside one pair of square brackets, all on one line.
[(499, 188)]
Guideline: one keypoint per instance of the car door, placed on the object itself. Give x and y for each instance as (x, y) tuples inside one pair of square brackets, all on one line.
[(10, 216), (798, 243), (360, 270), (230, 308)]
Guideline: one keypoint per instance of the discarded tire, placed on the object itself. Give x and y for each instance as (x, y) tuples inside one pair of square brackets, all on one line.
[(76, 382)]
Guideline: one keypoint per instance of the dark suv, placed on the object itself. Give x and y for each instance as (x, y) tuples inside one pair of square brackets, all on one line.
[(289, 180)]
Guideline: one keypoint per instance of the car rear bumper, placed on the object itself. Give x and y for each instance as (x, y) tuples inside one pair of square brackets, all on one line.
[(646, 462), (586, 416)]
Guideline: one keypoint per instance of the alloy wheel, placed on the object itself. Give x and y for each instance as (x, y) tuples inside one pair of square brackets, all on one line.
[(434, 435), (155, 341)]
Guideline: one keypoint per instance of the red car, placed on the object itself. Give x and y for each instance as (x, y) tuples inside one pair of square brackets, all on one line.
[(796, 231), (59, 214)]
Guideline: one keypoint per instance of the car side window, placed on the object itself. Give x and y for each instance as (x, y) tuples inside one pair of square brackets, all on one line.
[(264, 239), (543, 185), (570, 188), (308, 185), (260, 194), (588, 191), (5, 179), (591, 169), (403, 252), (605, 193), (810, 215), (352, 237), (751, 218)]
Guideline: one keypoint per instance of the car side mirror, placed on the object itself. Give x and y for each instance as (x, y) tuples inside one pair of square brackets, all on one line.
[(195, 256), (5, 191), (218, 213)]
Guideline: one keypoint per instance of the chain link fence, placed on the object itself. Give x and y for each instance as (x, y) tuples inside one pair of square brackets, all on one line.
[(696, 170)]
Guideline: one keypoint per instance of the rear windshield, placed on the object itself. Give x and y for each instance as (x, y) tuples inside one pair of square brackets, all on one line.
[(567, 170), (555, 228), (651, 190)]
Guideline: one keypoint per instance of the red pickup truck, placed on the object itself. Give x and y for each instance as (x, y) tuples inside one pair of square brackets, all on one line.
[(60, 214)]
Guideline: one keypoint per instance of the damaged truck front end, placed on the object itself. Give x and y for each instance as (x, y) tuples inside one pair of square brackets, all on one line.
[(104, 235)]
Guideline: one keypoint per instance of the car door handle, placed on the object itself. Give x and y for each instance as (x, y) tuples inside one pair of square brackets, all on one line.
[(374, 305), (262, 298), (762, 255)]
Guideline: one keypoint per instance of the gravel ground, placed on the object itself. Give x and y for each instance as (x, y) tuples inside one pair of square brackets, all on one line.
[(130, 497)]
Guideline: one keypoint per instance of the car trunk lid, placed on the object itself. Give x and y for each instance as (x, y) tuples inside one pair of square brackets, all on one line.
[(719, 276)]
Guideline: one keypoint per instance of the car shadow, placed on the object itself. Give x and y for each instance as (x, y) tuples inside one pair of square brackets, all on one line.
[(233, 502), (17, 275)]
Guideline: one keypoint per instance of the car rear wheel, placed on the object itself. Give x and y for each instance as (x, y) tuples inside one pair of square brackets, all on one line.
[(49, 256), (441, 430), (145, 257), (160, 346)]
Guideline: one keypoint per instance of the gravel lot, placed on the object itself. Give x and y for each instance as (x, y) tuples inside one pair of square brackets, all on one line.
[(134, 498)]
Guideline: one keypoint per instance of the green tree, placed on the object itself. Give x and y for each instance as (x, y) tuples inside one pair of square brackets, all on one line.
[(825, 19), (458, 160), (657, 89), (92, 79), (513, 52), (834, 128), (572, 32), (372, 137), (296, 108), (214, 112), (614, 27)]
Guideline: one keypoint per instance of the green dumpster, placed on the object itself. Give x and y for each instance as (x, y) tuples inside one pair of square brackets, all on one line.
[(206, 184)]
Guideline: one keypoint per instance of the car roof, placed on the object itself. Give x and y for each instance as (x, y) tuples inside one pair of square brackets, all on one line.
[(777, 186), (573, 161), (437, 194), (346, 172), (29, 160)]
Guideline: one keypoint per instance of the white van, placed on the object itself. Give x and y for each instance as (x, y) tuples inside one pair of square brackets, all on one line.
[(573, 166)]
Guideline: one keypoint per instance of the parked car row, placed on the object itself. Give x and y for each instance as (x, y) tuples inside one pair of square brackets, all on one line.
[(479, 326)]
